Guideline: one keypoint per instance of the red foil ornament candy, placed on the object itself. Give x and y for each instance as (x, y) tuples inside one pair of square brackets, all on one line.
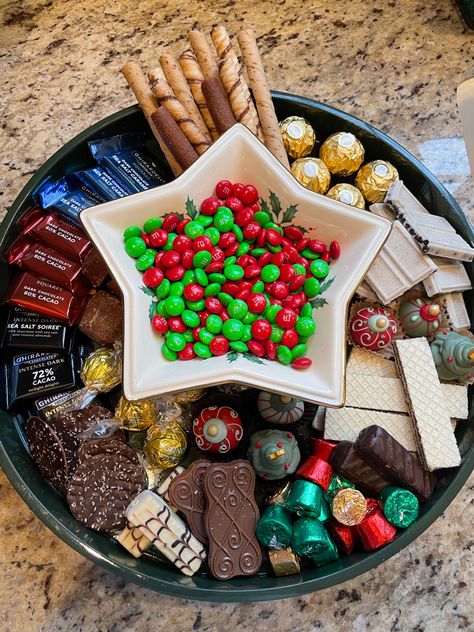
[(375, 531), (218, 429), (322, 448), (317, 471), (344, 537), (372, 328)]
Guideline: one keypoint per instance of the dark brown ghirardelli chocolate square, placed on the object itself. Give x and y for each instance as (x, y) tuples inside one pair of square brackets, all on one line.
[(103, 318)]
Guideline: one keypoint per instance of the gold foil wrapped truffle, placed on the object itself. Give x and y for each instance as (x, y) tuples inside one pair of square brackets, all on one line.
[(374, 180), (347, 193), (298, 136), (136, 415), (165, 445), (312, 173), (342, 153), (284, 562), (102, 370), (349, 506), (188, 397)]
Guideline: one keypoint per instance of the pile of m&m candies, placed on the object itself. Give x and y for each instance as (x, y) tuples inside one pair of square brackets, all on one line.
[(231, 279)]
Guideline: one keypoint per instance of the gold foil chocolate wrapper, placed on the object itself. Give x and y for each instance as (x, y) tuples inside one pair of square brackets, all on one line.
[(342, 153), (136, 415), (280, 495), (102, 370), (284, 562), (348, 194), (312, 173), (374, 180), (188, 397), (166, 445), (298, 136), (349, 506)]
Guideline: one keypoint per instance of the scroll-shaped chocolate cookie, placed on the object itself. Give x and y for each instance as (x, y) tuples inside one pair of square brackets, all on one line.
[(392, 461), (231, 519), (350, 465), (186, 493)]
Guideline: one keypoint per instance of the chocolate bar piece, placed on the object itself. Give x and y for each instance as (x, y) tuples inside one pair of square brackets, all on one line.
[(49, 263), (402, 198), (51, 229), (44, 297), (393, 462), (103, 318), (231, 519), (94, 268), (186, 493), (28, 330), (346, 462), (51, 405), (32, 374)]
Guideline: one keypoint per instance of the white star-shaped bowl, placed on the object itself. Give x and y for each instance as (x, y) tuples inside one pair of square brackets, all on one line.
[(238, 156)]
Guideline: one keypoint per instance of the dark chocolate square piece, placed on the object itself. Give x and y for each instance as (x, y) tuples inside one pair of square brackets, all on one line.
[(103, 318), (94, 268)]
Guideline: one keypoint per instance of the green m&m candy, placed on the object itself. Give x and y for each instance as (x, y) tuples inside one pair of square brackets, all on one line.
[(213, 234), (230, 260), (217, 277), (146, 260), (270, 273), (284, 354), (212, 289), (299, 269), (238, 345), (233, 272), (196, 306), (204, 220), (190, 318), (258, 287), (225, 298), (256, 252), (311, 287), (174, 306), (271, 312), (175, 342), (193, 230), (239, 235), (152, 224), (202, 259), (188, 335), (299, 351), (243, 248), (309, 254), (319, 269), (232, 329), (205, 336), (201, 277), (249, 318), (168, 353), (131, 231), (169, 242), (177, 288), (223, 222), (246, 333), (161, 308), (163, 289), (277, 333), (305, 326), (189, 277), (307, 310), (214, 324), (237, 309), (202, 350), (135, 246), (262, 218)]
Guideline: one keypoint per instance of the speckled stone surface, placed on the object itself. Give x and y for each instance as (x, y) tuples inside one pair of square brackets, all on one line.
[(394, 64)]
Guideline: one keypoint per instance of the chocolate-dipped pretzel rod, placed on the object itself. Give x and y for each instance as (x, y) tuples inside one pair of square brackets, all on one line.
[(192, 71), (263, 99), (218, 104), (176, 142), (180, 87), (234, 82), (138, 83), (166, 97)]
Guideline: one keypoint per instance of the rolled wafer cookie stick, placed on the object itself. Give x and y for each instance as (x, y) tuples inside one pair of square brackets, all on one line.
[(192, 71), (218, 104), (237, 100), (137, 81), (166, 97), (180, 87), (224, 49), (263, 99), (176, 142)]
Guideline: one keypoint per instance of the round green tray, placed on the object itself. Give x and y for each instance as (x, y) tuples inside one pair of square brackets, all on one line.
[(52, 509)]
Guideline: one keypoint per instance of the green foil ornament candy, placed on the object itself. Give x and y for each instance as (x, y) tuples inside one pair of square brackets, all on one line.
[(419, 317), (273, 453), (305, 499), (400, 506), (453, 355), (310, 538), (274, 529), (279, 409)]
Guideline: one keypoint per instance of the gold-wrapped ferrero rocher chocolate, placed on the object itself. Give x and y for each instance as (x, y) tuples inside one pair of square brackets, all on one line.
[(349, 506), (136, 415), (312, 173), (284, 562), (347, 193), (374, 180), (102, 370), (298, 136), (165, 445), (342, 153)]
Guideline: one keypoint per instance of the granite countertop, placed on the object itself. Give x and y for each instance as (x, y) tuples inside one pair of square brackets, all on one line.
[(394, 64)]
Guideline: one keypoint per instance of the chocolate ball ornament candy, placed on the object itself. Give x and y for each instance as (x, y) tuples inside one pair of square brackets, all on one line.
[(347, 194), (453, 355), (342, 153), (273, 453), (312, 173), (279, 409), (218, 429), (372, 328), (374, 180), (298, 136), (419, 317)]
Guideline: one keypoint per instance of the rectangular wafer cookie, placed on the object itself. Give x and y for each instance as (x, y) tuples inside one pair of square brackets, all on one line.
[(367, 363), (451, 276), (435, 235), (375, 392), (399, 266), (346, 423), (431, 422)]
